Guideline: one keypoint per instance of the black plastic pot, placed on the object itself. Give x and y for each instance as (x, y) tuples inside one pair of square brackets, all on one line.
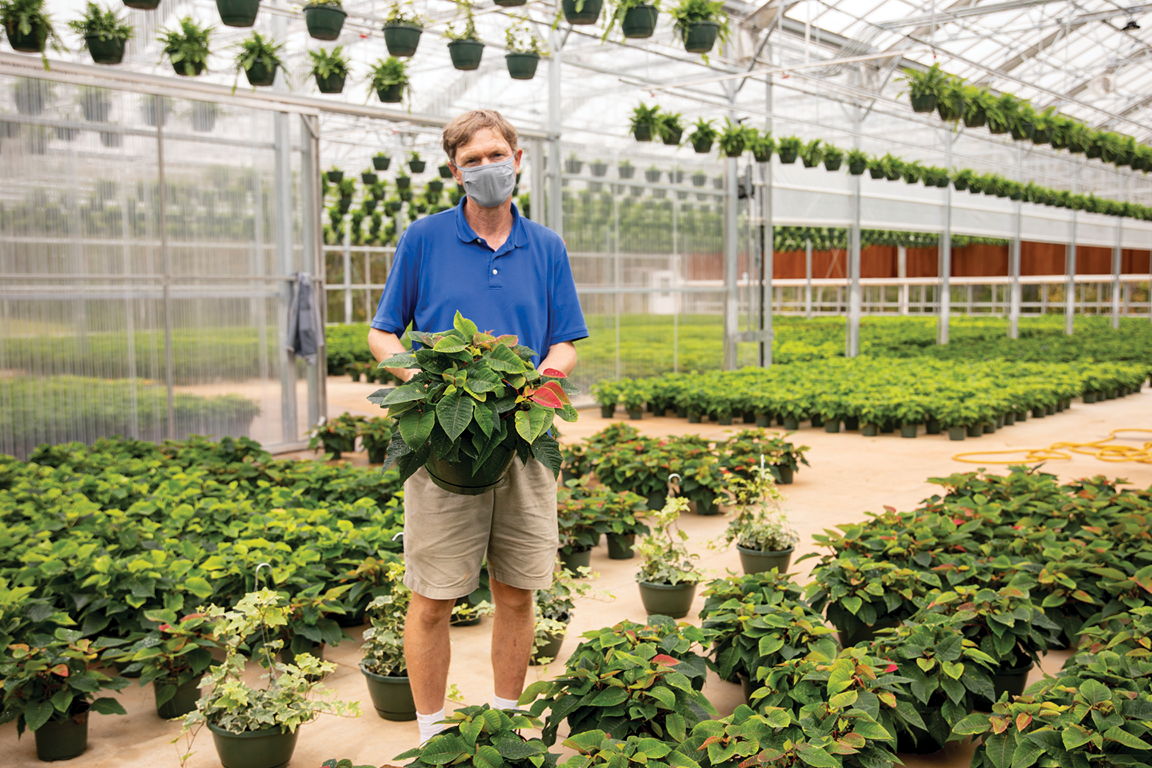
[(182, 702), (957, 433), (269, 748), (573, 560), (950, 113), (870, 430), (334, 177), (975, 118), (381, 163), (33, 42), (701, 36), (109, 51), (332, 84), (832, 426), (510, 3), (672, 139), (391, 696), (261, 76), (1012, 681), (660, 498), (417, 166), (607, 411), (369, 178), (63, 740), (924, 102), (458, 478), (857, 169), (391, 94), (787, 156), (324, 21), (403, 182), (188, 69), (702, 148), (908, 430), (588, 12), (143, 5), (784, 472), (238, 13), (758, 561), (402, 39), (832, 165), (639, 22), (672, 600), (549, 650), (642, 132), (466, 54), (522, 66), (620, 546)]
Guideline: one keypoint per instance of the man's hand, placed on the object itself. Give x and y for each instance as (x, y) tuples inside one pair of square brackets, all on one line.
[(383, 346), (562, 357)]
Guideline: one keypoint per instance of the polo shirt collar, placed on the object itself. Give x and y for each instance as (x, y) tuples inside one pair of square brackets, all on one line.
[(518, 238)]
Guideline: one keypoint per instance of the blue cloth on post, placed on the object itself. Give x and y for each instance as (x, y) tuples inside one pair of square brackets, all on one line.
[(524, 288)]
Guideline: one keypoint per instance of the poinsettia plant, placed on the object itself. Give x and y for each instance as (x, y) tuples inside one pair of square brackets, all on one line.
[(473, 393)]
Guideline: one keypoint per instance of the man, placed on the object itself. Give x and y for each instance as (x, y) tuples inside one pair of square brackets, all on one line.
[(510, 276)]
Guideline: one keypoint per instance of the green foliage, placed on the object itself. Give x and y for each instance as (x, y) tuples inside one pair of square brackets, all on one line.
[(53, 677), (177, 652), (469, 31), (404, 12), (629, 679), (384, 641), (620, 9), (28, 17), (483, 736), (257, 49), (106, 25), (928, 82), (687, 12), (293, 695), (521, 38), (187, 48), (759, 522), (474, 393), (666, 558), (388, 72), (644, 116), (327, 63)]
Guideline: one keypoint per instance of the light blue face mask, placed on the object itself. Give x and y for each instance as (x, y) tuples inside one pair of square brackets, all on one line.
[(490, 185)]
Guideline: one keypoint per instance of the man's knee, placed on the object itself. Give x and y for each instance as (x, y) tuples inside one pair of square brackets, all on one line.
[(511, 598), (427, 612)]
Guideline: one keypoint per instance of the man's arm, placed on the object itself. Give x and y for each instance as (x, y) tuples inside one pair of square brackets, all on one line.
[(383, 345), (562, 357)]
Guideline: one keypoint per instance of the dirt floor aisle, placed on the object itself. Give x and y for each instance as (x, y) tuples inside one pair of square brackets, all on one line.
[(849, 475)]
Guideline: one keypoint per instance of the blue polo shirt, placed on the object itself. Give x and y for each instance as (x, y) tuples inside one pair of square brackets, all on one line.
[(524, 288)]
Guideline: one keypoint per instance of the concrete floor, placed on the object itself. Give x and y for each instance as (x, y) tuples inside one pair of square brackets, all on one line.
[(849, 475)]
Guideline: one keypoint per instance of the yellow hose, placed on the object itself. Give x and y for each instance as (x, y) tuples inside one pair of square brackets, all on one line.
[(1057, 451)]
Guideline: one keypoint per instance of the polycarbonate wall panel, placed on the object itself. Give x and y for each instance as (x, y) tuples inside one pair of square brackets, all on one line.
[(144, 246)]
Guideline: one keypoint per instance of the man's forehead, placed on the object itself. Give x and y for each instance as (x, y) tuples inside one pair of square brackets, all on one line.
[(484, 141)]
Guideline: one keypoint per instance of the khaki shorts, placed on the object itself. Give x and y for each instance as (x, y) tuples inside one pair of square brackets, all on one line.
[(447, 535)]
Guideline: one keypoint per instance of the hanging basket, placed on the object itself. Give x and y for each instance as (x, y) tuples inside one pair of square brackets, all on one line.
[(702, 146), (510, 3), (381, 163), (588, 13), (33, 42), (924, 102), (466, 54), (402, 39), (324, 21), (260, 76), (701, 36), (391, 94), (639, 22), (332, 84), (188, 69), (108, 52), (238, 13), (788, 156), (642, 132), (975, 118), (143, 5)]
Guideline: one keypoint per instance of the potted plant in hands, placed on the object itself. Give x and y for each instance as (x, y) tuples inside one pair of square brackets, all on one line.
[(336, 436), (402, 29), (643, 122), (330, 69), (523, 54), (924, 87), (760, 530), (390, 80), (483, 736), (668, 576), (446, 420), (173, 658), (733, 139), (257, 727), (698, 23), (187, 49), (857, 161), (104, 33), (383, 665), (259, 59), (29, 27), (702, 136), (50, 683), (324, 18), (637, 18), (651, 668), (789, 149), (465, 46)]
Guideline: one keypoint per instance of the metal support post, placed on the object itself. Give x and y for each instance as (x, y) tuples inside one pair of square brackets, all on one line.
[(536, 199), (945, 273), (347, 273), (1070, 267), (166, 266), (314, 260), (852, 348), (555, 126), (902, 273), (808, 278), (1014, 256), (768, 248), (1117, 255), (286, 266), (731, 246)]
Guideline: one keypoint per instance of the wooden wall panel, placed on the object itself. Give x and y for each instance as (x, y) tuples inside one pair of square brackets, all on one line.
[(923, 262), (1134, 262), (980, 261)]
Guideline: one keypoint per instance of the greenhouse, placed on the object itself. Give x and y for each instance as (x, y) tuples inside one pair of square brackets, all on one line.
[(838, 369)]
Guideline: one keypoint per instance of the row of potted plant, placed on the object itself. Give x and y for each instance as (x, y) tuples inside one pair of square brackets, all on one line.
[(877, 395), (338, 435), (650, 123), (932, 89)]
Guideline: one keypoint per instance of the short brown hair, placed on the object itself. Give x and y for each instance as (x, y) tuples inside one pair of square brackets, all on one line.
[(462, 128)]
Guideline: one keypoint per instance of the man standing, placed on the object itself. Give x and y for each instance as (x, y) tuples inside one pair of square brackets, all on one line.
[(509, 276)]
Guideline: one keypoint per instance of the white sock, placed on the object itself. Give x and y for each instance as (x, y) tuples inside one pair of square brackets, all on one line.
[(429, 725), (499, 703)]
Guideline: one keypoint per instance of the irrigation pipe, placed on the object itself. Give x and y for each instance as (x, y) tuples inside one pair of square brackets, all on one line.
[(1100, 449)]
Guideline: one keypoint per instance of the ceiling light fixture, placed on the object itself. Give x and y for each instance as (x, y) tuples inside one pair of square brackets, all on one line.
[(1131, 26)]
